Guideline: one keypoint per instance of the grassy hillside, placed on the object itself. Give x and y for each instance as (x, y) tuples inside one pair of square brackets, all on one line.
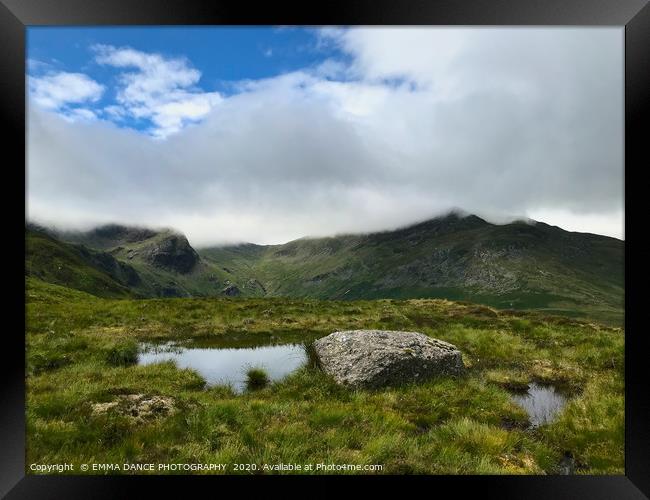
[(81, 350), (517, 265), (119, 261), (77, 267), (512, 266)]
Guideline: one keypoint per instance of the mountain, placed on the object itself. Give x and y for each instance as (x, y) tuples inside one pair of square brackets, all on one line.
[(519, 265), (158, 263), (76, 267)]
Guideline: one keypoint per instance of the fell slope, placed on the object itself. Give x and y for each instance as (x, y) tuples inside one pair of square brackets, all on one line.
[(77, 267), (133, 261), (517, 265), (520, 265)]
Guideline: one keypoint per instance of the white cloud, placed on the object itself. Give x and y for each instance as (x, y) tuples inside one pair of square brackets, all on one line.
[(56, 90), (500, 122), (418, 54), (79, 114), (160, 89), (114, 112), (37, 65), (611, 223)]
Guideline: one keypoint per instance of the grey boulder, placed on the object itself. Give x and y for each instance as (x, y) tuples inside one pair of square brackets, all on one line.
[(378, 358)]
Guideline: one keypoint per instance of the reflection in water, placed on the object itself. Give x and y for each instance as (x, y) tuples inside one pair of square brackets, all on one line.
[(222, 366), (541, 402)]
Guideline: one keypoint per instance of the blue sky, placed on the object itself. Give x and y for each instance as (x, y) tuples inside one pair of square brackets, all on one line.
[(267, 134), (223, 56)]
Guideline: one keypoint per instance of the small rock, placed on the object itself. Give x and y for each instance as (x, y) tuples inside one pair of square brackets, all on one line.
[(102, 408), (139, 408)]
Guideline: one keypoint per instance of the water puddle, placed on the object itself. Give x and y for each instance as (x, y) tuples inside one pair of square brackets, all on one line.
[(227, 365), (567, 466), (542, 403)]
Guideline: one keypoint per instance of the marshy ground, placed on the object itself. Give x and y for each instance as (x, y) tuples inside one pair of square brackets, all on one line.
[(89, 401)]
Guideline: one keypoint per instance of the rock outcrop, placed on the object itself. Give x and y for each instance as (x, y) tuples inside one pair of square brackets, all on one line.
[(231, 291), (173, 253), (378, 358)]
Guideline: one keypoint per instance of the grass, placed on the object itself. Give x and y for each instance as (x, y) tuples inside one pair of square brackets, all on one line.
[(256, 378), (123, 354), (80, 355)]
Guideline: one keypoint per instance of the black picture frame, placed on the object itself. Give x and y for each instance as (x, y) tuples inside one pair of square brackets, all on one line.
[(633, 15)]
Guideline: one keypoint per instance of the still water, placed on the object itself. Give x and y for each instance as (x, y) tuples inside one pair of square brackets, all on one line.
[(228, 365), (542, 403)]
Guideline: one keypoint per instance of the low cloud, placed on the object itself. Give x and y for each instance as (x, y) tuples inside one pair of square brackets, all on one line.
[(499, 122)]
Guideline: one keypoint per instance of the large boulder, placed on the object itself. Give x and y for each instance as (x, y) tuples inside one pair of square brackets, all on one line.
[(378, 358)]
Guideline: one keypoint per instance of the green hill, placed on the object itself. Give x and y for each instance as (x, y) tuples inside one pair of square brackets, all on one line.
[(517, 265), (520, 265), (159, 263), (76, 266)]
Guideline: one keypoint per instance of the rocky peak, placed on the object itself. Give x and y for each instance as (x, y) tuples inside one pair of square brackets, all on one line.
[(172, 252)]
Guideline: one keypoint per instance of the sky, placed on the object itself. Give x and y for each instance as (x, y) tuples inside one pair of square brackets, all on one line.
[(268, 134)]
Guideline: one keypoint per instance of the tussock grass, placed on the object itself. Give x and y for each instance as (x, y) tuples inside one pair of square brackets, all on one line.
[(123, 354), (256, 378)]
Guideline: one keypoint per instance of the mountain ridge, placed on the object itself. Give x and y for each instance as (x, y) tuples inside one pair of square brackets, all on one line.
[(523, 264)]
